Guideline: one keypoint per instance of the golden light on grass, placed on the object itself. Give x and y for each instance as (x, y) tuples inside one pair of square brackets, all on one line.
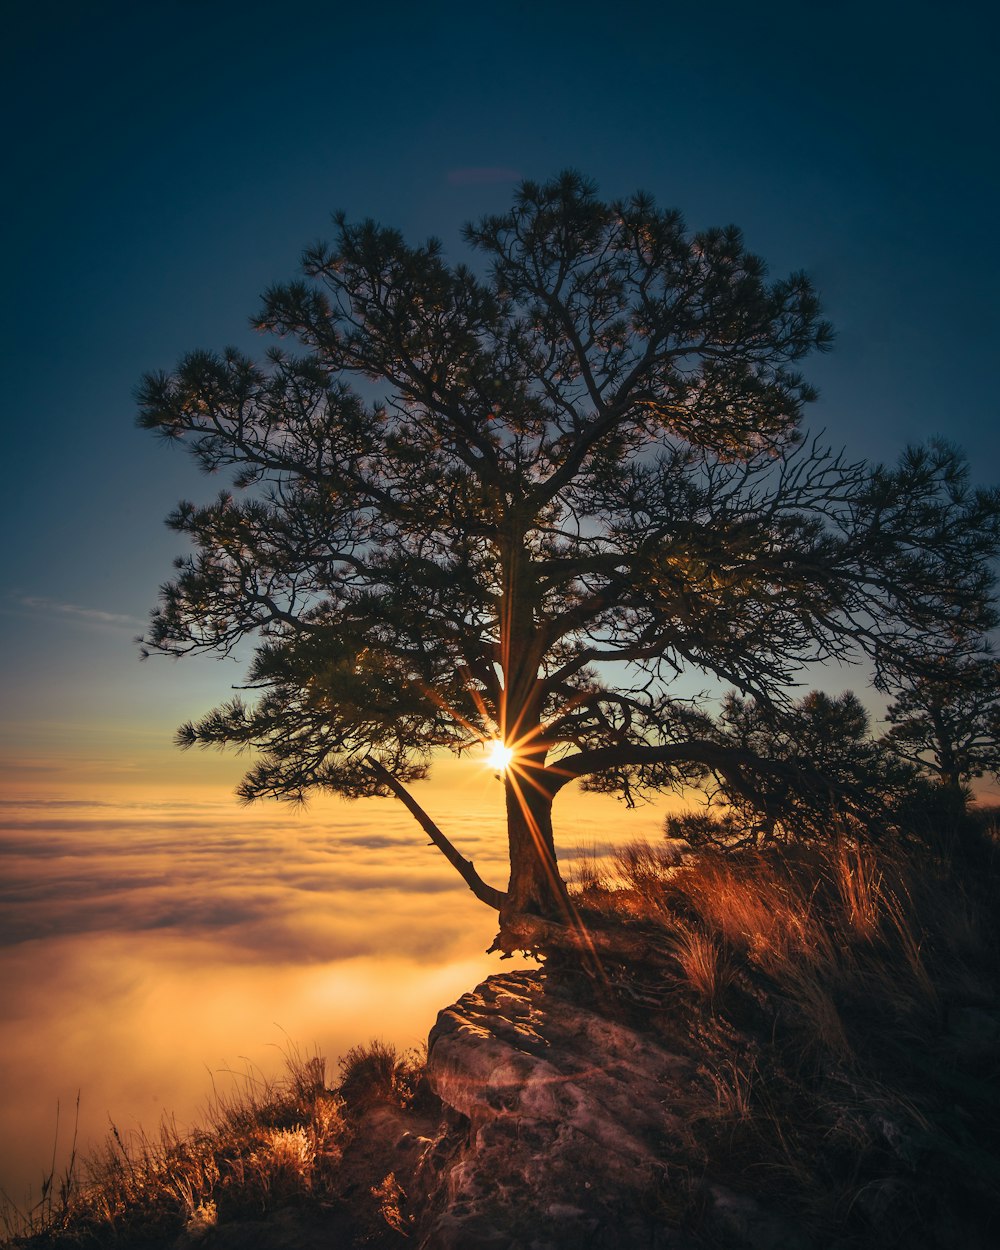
[(500, 755)]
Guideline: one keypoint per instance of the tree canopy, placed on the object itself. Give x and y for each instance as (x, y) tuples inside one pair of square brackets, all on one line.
[(839, 774), (945, 719), (520, 498)]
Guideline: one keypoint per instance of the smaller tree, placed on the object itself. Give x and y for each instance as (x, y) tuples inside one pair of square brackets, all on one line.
[(824, 766), (946, 720)]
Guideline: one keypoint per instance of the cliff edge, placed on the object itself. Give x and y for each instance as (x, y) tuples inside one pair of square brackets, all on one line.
[(561, 1131)]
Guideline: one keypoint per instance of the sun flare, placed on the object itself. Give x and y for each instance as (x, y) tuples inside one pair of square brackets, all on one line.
[(500, 755)]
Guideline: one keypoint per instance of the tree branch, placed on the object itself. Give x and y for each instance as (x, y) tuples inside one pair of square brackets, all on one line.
[(485, 893), (727, 760)]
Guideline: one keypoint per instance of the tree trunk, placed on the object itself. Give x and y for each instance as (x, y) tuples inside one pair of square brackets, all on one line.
[(536, 889), (537, 914), (535, 884)]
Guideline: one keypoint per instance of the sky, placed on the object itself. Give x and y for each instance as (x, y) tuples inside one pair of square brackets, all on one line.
[(165, 163)]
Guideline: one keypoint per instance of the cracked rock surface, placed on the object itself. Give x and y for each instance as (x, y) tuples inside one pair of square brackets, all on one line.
[(562, 1150)]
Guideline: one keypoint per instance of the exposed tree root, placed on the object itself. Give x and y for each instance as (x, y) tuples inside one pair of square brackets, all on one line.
[(534, 935)]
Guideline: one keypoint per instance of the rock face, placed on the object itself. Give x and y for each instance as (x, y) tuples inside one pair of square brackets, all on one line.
[(560, 1150)]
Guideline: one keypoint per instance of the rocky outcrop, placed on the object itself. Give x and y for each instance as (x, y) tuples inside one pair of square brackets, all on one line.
[(562, 1126), (551, 1119)]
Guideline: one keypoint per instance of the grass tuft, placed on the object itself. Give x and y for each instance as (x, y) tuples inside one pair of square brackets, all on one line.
[(379, 1073)]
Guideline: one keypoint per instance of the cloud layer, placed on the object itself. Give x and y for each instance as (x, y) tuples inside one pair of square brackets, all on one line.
[(146, 946)]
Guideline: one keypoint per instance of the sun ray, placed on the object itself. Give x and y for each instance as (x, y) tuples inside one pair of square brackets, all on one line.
[(510, 756)]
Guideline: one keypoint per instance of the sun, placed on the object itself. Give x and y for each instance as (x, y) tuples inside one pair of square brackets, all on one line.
[(500, 755)]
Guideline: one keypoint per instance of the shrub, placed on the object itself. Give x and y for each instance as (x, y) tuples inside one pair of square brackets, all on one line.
[(379, 1073)]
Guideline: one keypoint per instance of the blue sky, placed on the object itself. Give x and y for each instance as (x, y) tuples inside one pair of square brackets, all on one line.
[(170, 159)]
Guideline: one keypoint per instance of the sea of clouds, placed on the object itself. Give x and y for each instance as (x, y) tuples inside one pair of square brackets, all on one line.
[(149, 951)]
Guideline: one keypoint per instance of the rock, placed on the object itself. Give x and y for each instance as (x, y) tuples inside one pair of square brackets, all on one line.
[(566, 1115)]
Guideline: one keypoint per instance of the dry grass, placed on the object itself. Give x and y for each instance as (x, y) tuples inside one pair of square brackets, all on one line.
[(704, 961), (269, 1144), (842, 1002), (378, 1073), (843, 918), (269, 1141)]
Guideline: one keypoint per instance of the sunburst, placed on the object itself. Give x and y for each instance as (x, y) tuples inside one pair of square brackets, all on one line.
[(500, 755)]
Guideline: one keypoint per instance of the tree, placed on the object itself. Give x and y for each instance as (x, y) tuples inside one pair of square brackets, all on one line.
[(946, 719), (837, 773), (517, 502)]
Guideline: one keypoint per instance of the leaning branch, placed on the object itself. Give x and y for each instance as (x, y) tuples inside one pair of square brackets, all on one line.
[(730, 761), (485, 893)]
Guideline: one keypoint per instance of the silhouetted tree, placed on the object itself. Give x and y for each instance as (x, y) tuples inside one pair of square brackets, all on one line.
[(946, 720), (837, 775), (518, 501)]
